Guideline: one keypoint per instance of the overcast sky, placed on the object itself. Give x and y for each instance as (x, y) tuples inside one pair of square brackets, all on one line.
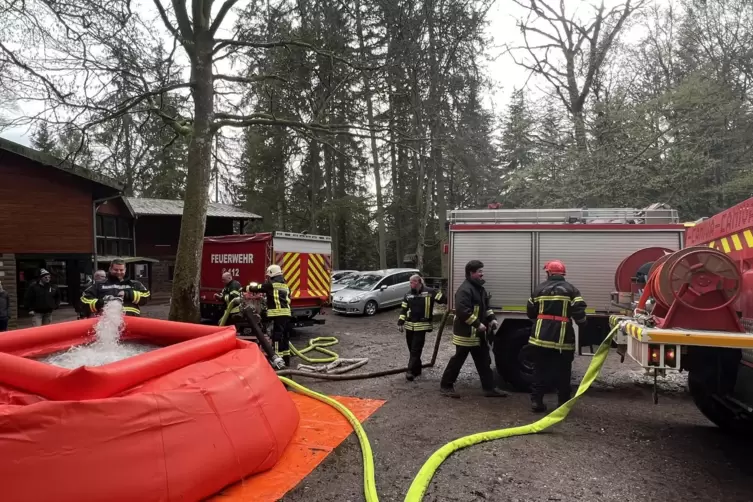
[(505, 74)]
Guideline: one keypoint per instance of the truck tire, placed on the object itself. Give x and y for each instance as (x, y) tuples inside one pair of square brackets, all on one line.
[(512, 358), (702, 384)]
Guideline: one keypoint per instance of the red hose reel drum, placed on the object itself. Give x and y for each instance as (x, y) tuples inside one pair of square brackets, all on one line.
[(690, 284), (623, 277)]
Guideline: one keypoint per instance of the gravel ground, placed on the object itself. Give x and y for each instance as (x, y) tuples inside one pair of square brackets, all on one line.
[(615, 445)]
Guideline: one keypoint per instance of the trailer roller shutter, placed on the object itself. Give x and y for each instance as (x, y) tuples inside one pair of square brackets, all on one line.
[(592, 258), (507, 265)]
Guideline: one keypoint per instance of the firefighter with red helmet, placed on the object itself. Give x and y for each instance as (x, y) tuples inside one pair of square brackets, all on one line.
[(552, 306)]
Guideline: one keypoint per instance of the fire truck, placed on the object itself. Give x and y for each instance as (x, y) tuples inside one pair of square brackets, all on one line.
[(305, 261), (692, 313)]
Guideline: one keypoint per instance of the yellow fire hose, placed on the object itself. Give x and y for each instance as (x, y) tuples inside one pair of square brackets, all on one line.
[(318, 344), (426, 473)]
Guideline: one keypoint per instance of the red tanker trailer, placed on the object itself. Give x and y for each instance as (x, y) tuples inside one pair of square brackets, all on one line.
[(696, 314)]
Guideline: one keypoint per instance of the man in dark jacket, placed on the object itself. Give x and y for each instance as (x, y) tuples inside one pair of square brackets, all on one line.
[(474, 323), (132, 293), (41, 299), (231, 297), (416, 317), (551, 306), (4, 308), (278, 309)]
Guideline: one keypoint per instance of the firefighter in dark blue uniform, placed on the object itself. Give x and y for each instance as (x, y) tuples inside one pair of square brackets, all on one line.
[(130, 292), (552, 306), (473, 325), (278, 309), (416, 319)]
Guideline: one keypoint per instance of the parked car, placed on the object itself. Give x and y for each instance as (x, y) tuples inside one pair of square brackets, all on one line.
[(344, 282), (372, 291), (341, 274)]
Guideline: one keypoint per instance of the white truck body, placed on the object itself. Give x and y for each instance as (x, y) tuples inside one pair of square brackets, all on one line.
[(515, 244)]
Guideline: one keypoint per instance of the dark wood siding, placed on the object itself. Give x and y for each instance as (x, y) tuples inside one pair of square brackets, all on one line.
[(157, 236), (43, 210)]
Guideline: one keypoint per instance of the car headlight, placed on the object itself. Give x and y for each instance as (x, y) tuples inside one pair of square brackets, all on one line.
[(356, 299)]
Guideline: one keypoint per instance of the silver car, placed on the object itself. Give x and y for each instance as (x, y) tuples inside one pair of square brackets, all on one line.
[(344, 282), (372, 291)]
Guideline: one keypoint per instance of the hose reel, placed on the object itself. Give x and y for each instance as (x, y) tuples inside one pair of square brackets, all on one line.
[(692, 283)]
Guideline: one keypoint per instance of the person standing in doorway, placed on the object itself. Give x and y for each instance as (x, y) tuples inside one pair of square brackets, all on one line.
[(474, 323), (4, 308), (41, 299)]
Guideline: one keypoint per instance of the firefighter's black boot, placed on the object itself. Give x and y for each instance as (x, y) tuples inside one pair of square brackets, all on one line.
[(409, 376), (537, 405), (449, 392), (495, 393)]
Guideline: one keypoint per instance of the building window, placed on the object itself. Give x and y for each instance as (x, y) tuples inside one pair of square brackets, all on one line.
[(114, 236)]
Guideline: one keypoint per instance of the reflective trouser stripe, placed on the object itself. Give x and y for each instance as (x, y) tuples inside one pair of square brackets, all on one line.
[(465, 341), (551, 345)]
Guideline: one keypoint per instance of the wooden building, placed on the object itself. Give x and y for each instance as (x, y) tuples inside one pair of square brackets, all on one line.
[(46, 221), (63, 218)]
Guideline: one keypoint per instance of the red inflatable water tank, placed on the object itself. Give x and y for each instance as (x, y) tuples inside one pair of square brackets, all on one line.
[(178, 423)]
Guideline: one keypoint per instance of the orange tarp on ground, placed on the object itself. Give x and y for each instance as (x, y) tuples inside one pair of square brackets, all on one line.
[(320, 430)]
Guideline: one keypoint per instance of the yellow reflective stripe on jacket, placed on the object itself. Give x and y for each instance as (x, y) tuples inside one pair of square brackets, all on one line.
[(138, 295), (133, 310), (438, 296), (91, 302), (473, 317), (278, 312), (563, 324), (465, 341), (489, 313), (577, 299), (418, 326), (553, 298), (551, 345), (427, 307)]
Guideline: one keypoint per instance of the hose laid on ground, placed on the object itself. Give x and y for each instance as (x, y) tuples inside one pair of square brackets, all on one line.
[(360, 376), (426, 473), (369, 480)]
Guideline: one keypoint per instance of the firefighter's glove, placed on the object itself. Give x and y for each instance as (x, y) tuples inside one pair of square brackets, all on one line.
[(218, 296), (494, 325), (400, 328)]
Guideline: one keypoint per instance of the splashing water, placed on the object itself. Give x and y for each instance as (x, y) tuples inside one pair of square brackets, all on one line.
[(107, 347)]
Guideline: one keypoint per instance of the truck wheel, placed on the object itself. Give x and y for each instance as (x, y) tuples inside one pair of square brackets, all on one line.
[(370, 308), (703, 384), (512, 357)]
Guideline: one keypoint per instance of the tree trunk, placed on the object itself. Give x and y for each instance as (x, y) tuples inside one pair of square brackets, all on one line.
[(374, 150), (423, 223), (184, 305), (329, 166), (436, 132)]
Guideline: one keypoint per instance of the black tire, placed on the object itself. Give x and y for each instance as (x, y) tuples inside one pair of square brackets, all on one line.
[(512, 357), (702, 384), (370, 308)]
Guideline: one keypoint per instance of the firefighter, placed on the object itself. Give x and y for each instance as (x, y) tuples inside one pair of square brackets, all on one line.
[(474, 323), (278, 309), (231, 296), (416, 319), (553, 304), (131, 292)]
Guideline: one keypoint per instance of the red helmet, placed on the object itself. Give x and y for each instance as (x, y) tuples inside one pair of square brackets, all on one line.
[(555, 267)]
